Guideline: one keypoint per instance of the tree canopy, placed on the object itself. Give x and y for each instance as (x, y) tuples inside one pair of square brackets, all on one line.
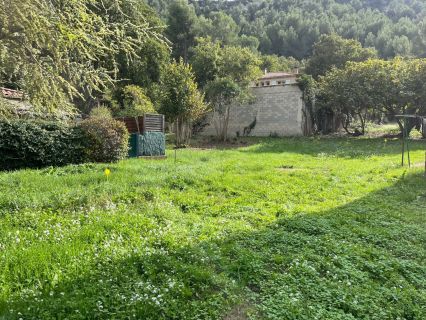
[(181, 101), (61, 50), (291, 27), (375, 87), (334, 51)]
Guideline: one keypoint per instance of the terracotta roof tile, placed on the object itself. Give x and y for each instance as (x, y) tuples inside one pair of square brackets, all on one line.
[(11, 94)]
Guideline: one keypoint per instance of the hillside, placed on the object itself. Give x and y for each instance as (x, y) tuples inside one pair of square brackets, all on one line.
[(290, 27)]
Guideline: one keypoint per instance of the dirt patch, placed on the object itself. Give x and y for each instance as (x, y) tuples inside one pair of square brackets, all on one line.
[(289, 168), (205, 143)]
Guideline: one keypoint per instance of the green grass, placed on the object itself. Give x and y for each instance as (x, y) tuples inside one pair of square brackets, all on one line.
[(303, 228)]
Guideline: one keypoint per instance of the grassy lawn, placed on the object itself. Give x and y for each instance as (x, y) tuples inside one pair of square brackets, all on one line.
[(303, 228)]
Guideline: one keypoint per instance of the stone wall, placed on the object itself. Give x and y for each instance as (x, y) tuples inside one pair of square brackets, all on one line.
[(278, 111)]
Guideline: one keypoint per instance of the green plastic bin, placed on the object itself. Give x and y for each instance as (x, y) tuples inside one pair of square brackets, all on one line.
[(134, 145)]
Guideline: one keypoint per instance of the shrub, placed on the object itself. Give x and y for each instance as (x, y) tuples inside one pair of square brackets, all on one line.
[(101, 112), (35, 144), (107, 139)]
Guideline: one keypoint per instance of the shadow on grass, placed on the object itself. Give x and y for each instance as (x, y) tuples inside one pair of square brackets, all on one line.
[(363, 260)]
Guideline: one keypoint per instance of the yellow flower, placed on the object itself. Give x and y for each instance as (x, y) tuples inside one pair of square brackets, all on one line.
[(107, 172)]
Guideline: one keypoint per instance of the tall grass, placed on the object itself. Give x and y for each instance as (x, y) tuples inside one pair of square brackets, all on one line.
[(297, 228)]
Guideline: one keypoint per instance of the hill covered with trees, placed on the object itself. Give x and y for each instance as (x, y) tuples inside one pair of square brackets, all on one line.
[(291, 27), (150, 51)]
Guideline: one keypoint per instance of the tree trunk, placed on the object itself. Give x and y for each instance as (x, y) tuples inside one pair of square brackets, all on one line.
[(361, 118), (424, 128), (401, 126), (221, 122), (226, 123), (182, 132)]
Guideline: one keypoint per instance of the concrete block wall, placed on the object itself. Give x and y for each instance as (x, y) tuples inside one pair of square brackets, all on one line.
[(278, 111)]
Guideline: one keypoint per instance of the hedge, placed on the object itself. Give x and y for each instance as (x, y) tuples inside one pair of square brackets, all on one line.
[(36, 144)]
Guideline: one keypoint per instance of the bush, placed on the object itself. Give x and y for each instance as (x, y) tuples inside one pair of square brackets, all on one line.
[(101, 112), (108, 139), (35, 144)]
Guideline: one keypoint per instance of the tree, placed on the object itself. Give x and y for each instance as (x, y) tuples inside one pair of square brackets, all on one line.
[(309, 87), (222, 93), (364, 89), (225, 73), (144, 71), (206, 61), (334, 51), (219, 27), (135, 102), (57, 51), (147, 67), (274, 63), (250, 42), (239, 64), (180, 28), (181, 102), (346, 92), (212, 60), (290, 28)]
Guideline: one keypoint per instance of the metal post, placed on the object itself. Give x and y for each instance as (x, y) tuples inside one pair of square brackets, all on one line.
[(403, 144)]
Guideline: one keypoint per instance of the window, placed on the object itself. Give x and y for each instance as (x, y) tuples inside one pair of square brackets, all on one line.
[(267, 83)]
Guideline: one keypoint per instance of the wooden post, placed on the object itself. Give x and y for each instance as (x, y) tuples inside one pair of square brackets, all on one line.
[(164, 124), (143, 123)]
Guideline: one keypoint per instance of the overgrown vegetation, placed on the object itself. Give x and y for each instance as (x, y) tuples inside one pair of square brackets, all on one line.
[(65, 67), (304, 228)]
